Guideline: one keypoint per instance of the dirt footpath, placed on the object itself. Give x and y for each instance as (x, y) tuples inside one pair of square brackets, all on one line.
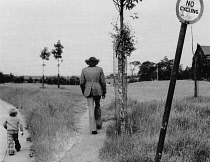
[(23, 155), (86, 148)]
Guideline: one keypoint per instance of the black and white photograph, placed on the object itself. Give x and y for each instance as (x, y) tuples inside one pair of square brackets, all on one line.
[(105, 81)]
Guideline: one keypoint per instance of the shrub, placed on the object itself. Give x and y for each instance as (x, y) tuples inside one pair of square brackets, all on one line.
[(132, 80), (19, 79), (2, 78), (30, 80)]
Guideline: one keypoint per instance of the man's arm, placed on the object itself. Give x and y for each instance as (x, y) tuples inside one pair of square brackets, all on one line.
[(103, 82), (82, 82)]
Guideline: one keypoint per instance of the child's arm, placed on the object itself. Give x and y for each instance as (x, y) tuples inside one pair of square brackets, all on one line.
[(5, 125), (20, 127)]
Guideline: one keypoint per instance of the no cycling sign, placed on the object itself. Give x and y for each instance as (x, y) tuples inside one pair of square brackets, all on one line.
[(189, 11)]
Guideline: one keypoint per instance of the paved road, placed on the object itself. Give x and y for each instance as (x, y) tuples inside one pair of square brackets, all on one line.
[(23, 155)]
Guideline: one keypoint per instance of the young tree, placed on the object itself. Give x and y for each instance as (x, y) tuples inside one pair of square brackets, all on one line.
[(45, 56), (57, 54), (127, 44), (134, 63), (122, 60)]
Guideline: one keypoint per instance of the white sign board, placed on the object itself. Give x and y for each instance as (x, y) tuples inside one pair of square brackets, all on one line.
[(189, 11)]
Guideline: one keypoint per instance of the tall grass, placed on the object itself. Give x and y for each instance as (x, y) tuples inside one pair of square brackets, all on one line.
[(50, 114), (187, 137)]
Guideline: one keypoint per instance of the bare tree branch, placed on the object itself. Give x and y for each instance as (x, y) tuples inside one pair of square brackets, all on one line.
[(117, 4)]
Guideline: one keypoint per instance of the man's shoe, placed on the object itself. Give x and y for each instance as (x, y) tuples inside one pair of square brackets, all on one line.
[(94, 132)]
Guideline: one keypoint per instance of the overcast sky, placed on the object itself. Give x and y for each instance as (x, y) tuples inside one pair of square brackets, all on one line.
[(83, 26)]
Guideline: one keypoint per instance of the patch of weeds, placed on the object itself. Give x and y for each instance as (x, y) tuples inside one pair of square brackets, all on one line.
[(201, 153), (49, 113), (187, 134), (182, 122), (199, 99), (204, 112)]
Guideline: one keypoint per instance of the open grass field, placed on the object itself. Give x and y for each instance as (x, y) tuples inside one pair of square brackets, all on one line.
[(157, 90), (145, 91), (188, 132), (52, 114)]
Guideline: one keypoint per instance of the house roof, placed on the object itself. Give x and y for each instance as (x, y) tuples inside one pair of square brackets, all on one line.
[(206, 50)]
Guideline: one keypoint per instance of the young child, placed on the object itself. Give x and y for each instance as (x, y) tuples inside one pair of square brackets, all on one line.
[(13, 124)]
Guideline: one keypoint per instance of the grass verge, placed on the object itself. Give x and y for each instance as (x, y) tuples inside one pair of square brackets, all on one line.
[(187, 135), (50, 114)]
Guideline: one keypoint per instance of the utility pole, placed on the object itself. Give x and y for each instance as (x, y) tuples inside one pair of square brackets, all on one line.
[(195, 75)]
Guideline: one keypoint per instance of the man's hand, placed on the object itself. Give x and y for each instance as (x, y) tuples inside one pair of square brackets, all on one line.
[(103, 96)]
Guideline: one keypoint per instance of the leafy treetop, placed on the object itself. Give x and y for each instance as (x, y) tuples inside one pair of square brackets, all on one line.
[(127, 4), (127, 41), (45, 54), (58, 50)]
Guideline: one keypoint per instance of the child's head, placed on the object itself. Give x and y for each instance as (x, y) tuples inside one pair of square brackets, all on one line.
[(12, 112)]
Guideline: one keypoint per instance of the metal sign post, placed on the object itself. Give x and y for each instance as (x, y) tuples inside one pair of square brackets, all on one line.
[(188, 12), (170, 92)]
